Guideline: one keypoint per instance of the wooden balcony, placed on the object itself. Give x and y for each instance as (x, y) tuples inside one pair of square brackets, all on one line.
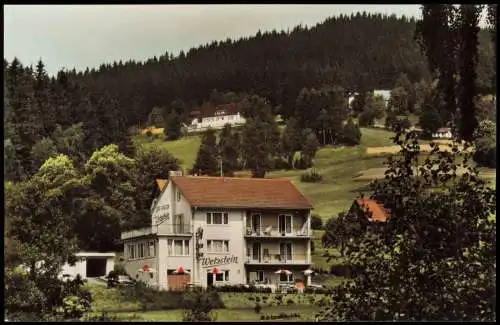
[(270, 232)]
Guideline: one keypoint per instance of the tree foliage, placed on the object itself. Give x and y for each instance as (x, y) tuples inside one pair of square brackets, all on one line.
[(207, 162), (435, 258)]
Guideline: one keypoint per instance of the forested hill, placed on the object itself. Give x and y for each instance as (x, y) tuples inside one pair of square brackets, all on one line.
[(355, 52)]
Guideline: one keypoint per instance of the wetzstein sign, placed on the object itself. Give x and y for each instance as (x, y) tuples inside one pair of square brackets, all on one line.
[(216, 261)]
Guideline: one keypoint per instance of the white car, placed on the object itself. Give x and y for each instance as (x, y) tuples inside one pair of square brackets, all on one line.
[(66, 277)]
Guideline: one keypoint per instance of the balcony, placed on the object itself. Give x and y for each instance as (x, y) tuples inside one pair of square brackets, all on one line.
[(278, 259), (174, 229), (270, 232)]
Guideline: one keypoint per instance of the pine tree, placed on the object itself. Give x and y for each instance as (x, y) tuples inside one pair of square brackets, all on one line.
[(206, 162), (309, 148), (228, 148), (172, 128), (291, 141), (469, 20)]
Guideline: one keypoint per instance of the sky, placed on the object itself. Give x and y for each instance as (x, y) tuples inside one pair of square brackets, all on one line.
[(80, 36)]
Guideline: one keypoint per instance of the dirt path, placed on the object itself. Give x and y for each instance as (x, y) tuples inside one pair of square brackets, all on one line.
[(443, 145)]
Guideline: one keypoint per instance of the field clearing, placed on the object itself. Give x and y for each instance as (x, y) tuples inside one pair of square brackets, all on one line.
[(424, 147), (378, 173)]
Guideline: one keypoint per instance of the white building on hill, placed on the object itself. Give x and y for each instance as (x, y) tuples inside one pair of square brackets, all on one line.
[(215, 117)]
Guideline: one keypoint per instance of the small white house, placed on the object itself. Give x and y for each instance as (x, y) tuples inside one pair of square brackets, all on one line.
[(386, 94), (215, 117), (90, 265), (442, 133)]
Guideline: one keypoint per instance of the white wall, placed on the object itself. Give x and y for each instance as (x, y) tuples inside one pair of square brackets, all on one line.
[(217, 122), (233, 232)]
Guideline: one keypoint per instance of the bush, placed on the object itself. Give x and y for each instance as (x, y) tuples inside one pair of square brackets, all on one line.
[(280, 163), (343, 270), (390, 120), (199, 305), (351, 134), (404, 123), (152, 299), (120, 269), (311, 177), (290, 301), (366, 118), (257, 308), (241, 288), (316, 222)]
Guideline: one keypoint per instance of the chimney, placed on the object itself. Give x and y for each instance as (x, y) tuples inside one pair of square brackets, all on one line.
[(175, 173)]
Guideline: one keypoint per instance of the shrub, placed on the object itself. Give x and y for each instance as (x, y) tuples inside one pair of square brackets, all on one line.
[(366, 118), (290, 301), (199, 305), (342, 270), (257, 308), (404, 123), (351, 134), (311, 177), (120, 269), (316, 222), (151, 299)]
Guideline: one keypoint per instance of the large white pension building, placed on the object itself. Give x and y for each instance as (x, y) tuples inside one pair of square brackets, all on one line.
[(217, 230)]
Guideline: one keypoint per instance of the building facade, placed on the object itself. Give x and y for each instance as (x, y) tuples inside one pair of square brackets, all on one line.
[(223, 231), (215, 117)]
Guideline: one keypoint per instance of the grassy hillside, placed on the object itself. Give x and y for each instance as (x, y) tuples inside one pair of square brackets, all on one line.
[(339, 168), (346, 172)]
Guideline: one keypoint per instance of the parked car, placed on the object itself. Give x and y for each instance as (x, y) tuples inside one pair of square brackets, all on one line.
[(66, 277), (120, 280)]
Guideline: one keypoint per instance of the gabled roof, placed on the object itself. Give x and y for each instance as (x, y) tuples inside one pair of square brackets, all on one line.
[(379, 213), (210, 110), (233, 192), (162, 183)]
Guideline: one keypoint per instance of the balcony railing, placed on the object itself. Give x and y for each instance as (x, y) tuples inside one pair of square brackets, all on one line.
[(279, 259), (270, 232), (162, 229)]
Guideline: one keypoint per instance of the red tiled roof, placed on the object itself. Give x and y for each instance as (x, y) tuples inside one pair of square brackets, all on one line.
[(379, 213), (233, 192), (161, 183), (210, 110)]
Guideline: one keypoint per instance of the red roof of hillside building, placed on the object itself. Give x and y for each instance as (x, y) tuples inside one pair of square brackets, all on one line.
[(211, 110), (379, 213), (230, 192)]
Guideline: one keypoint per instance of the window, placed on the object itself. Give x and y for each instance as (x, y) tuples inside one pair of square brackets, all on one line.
[(141, 251), (257, 276), (286, 251), (286, 277), (217, 218), (285, 223), (178, 195), (151, 248), (223, 276), (131, 251), (218, 246), (178, 247)]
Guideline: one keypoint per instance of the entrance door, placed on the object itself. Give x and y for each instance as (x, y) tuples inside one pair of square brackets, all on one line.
[(285, 223), (256, 223), (210, 279), (256, 252)]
